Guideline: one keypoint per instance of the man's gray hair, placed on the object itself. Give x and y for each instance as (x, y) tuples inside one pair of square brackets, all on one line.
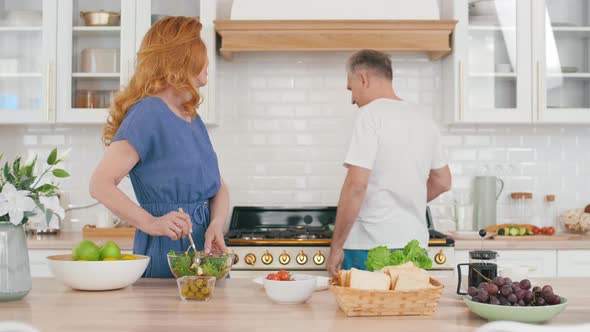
[(377, 61)]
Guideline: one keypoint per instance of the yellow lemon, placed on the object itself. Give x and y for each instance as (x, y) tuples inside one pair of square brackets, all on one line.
[(110, 259), (128, 257)]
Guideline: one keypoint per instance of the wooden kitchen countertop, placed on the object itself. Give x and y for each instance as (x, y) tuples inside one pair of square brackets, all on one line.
[(240, 305), (67, 240)]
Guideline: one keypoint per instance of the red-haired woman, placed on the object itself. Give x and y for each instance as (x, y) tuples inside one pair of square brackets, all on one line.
[(155, 135)]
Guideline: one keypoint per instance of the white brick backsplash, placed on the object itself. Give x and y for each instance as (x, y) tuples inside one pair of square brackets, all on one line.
[(462, 154), (285, 123), (477, 140)]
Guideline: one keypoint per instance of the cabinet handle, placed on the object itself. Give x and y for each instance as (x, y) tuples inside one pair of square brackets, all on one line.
[(128, 71), (48, 93), (539, 89), (461, 87)]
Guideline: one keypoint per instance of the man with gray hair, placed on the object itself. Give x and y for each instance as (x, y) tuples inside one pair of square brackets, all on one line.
[(395, 165)]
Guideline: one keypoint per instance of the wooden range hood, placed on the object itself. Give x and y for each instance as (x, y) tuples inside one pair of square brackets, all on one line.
[(431, 36)]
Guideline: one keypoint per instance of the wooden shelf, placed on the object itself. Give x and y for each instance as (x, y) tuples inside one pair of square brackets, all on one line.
[(433, 37)]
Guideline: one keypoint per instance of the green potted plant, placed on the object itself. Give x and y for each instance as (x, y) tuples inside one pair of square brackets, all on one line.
[(24, 196)]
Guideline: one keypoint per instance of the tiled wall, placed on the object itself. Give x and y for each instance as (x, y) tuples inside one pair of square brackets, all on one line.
[(285, 121)]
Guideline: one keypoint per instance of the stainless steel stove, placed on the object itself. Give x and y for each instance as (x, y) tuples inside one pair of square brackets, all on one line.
[(296, 239)]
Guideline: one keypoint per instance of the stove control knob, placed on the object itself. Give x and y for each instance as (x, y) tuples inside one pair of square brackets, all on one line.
[(267, 258), (301, 258), (250, 259), (440, 258), (284, 258), (319, 258), (236, 258)]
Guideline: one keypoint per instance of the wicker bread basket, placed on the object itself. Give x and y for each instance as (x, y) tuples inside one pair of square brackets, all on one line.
[(358, 302)]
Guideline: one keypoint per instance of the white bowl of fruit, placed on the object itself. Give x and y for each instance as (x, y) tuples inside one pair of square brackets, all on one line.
[(95, 268), (503, 299), (286, 288)]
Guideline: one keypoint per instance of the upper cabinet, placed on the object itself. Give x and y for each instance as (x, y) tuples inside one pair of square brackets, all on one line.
[(67, 58), (27, 60), (96, 47), (561, 59), (150, 11), (519, 61), (490, 66)]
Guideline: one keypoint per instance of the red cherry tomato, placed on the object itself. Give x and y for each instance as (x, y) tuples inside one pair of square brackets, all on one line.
[(284, 275), (550, 231), (272, 276)]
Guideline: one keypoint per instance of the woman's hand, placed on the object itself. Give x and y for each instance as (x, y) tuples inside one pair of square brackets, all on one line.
[(175, 225), (334, 261), (214, 241)]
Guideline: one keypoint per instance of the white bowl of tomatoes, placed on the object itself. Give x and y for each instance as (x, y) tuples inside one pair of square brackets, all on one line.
[(286, 288)]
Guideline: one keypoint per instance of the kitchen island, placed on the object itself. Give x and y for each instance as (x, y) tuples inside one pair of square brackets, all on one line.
[(241, 305)]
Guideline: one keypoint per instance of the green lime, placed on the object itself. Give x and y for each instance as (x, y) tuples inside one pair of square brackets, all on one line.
[(86, 250), (110, 250)]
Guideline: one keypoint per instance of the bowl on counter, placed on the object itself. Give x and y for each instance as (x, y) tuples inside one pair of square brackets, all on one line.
[(195, 288), (97, 275), (200, 264), (295, 291), (515, 314)]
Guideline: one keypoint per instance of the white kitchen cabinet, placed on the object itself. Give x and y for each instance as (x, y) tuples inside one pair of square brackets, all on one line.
[(543, 263), (93, 61), (38, 260), (27, 60), (561, 56), (490, 66), (150, 11), (518, 62), (573, 263)]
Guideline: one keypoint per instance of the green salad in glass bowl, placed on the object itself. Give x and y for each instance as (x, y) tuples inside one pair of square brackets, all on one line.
[(199, 264)]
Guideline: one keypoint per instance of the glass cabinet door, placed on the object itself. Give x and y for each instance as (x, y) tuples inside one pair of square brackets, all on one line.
[(150, 11), (564, 72), (95, 53), (494, 67), (27, 60)]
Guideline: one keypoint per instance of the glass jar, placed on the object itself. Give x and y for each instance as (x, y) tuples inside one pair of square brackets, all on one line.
[(550, 212), (522, 207)]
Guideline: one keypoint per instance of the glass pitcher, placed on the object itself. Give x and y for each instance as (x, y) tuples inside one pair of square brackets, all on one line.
[(482, 267)]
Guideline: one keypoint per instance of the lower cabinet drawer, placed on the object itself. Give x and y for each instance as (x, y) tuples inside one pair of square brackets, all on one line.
[(573, 263)]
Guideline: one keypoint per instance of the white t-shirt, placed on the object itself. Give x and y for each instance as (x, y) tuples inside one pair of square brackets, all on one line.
[(400, 146)]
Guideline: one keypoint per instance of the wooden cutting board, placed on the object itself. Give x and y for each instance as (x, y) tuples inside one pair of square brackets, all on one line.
[(555, 237), (93, 231)]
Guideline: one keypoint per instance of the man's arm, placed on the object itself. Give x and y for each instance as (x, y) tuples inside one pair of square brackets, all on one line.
[(351, 198), (439, 181)]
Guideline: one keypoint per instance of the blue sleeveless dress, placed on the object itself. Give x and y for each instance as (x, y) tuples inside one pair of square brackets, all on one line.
[(177, 169)]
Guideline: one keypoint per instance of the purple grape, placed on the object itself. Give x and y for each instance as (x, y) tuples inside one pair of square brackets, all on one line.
[(525, 284), (472, 291), (547, 288), (547, 292), (499, 281), (507, 280), (506, 290), (494, 300), (503, 301), (528, 297), (483, 296), (553, 299), (521, 303), (483, 285), (512, 298), (536, 289), (540, 301), (520, 294), (516, 284), (492, 289)]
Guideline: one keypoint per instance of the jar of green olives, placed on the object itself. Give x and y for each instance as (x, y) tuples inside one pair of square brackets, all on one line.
[(196, 288)]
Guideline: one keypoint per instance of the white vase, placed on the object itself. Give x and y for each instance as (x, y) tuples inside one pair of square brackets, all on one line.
[(15, 273)]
